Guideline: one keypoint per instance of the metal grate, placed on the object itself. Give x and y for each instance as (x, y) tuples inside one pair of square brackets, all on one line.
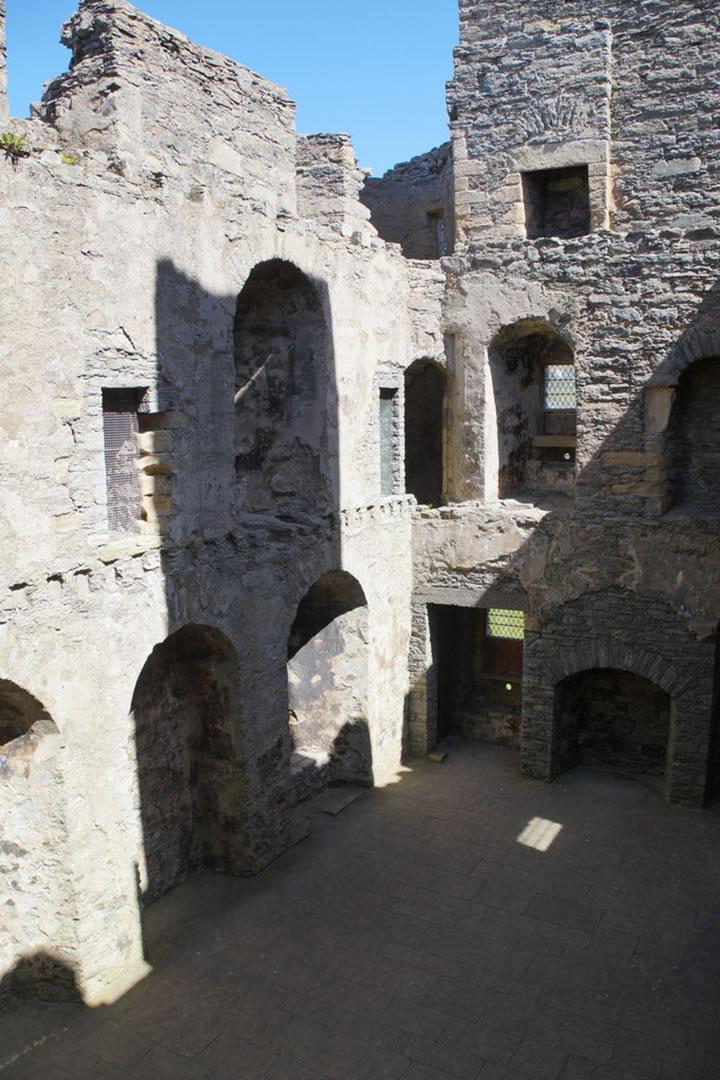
[(560, 386), (505, 623), (120, 430)]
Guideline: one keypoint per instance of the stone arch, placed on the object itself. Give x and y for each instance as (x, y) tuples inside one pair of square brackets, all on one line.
[(190, 772), (697, 343), (606, 652), (34, 851), (534, 408), (283, 365), (425, 386), (328, 684)]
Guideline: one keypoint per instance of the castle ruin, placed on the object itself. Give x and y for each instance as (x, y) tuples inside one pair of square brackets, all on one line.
[(303, 470)]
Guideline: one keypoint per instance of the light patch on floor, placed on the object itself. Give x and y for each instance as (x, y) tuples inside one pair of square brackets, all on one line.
[(539, 833)]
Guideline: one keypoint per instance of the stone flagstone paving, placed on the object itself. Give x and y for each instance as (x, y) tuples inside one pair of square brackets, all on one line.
[(414, 937)]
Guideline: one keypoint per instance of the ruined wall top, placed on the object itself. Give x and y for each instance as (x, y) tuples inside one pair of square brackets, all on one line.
[(626, 89), (152, 99)]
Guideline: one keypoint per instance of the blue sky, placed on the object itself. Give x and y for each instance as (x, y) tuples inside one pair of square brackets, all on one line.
[(375, 69)]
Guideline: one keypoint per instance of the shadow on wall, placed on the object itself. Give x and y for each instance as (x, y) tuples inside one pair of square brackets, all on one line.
[(616, 676), (41, 975)]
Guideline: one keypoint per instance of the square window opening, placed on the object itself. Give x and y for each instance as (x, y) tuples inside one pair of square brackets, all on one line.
[(557, 202)]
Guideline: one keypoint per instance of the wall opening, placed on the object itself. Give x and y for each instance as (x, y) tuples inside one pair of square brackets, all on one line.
[(120, 437), (479, 658), (388, 424), (557, 202), (695, 436), (190, 773), (533, 379), (612, 719), (282, 379), (328, 685), (424, 423)]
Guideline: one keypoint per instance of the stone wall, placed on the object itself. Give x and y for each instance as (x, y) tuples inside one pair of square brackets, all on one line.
[(329, 182), (538, 85), (162, 107), (412, 204), (177, 163), (193, 256)]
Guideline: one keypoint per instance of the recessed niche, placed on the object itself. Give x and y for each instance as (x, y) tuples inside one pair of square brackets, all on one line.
[(557, 202)]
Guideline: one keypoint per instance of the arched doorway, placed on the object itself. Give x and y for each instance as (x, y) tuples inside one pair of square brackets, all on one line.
[(190, 773), (424, 414), (613, 719), (283, 460), (533, 381), (328, 684)]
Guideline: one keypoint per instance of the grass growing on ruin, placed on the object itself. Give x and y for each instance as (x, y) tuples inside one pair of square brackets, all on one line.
[(13, 146)]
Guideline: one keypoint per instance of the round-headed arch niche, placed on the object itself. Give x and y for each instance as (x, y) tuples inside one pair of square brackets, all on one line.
[(533, 381), (284, 378)]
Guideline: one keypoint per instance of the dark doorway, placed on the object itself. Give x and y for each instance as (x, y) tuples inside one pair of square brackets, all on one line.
[(424, 408), (479, 657)]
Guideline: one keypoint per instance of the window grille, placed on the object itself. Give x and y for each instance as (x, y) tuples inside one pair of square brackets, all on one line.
[(505, 623), (120, 431), (560, 386)]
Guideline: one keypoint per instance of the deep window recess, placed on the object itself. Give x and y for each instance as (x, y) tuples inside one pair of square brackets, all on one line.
[(557, 202), (387, 439), (120, 431)]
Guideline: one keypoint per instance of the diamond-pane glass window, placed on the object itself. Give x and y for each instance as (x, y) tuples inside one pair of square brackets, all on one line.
[(120, 432), (506, 623), (560, 386)]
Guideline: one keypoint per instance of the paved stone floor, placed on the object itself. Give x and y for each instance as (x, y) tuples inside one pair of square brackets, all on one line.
[(414, 936)]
